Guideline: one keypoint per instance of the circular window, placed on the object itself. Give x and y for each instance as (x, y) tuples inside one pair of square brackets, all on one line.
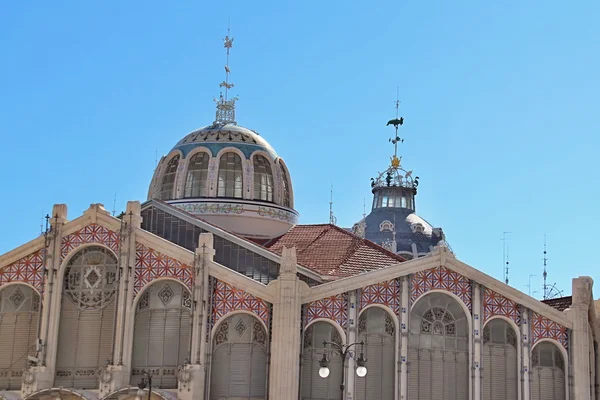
[(91, 278)]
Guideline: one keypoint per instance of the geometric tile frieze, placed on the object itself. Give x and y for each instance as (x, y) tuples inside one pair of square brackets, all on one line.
[(28, 269), (93, 233), (384, 293), (441, 278), (334, 308), (151, 264), (496, 304), (544, 328), (228, 298)]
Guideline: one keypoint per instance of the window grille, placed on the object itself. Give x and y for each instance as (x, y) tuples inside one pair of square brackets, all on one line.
[(230, 182), (196, 183)]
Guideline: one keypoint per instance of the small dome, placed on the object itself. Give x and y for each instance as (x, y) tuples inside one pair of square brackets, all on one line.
[(230, 176)]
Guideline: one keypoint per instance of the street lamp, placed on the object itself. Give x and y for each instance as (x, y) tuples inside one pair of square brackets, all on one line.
[(146, 380), (344, 350)]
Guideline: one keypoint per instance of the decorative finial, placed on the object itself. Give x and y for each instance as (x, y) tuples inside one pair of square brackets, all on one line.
[(396, 122), (225, 106)]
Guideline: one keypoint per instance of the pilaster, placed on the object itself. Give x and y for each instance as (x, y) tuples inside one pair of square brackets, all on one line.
[(525, 373), (351, 337), (284, 374), (192, 377), (42, 376), (477, 344), (580, 346), (118, 373), (404, 317)]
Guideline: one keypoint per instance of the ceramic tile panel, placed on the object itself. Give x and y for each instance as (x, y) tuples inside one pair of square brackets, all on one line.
[(544, 328), (384, 293), (228, 298), (441, 278), (496, 304), (151, 264), (28, 269), (334, 308), (93, 233)]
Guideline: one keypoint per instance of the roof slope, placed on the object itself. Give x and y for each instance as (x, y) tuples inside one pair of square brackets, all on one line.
[(560, 303), (333, 251)]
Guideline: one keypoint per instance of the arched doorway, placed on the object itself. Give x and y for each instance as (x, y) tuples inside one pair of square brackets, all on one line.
[(378, 330), (19, 320), (162, 332), (500, 367), (547, 372), (239, 359), (313, 387), (438, 352), (87, 314), (60, 394)]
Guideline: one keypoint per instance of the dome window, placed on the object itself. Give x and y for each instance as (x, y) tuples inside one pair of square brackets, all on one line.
[(168, 180), (386, 226), (230, 176), (285, 187), (195, 183), (263, 179)]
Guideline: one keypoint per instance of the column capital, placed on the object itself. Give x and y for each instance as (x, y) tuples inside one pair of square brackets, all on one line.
[(289, 262)]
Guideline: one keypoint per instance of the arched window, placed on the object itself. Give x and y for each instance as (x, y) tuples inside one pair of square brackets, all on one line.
[(197, 174), (438, 352), (163, 323), (500, 368), (167, 185), (230, 176), (87, 313), (19, 314), (239, 359), (263, 179), (285, 186), (376, 327), (314, 387), (548, 372)]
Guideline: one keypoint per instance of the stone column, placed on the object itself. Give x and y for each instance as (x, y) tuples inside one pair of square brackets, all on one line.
[(477, 337), (580, 347), (404, 317), (284, 374), (42, 376), (525, 354), (192, 377), (351, 337)]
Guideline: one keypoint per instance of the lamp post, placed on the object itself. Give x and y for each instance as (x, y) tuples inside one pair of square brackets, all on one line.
[(344, 350), (146, 380)]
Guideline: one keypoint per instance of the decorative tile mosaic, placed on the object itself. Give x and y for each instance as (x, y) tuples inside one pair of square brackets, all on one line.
[(385, 293), (227, 298), (334, 308), (90, 234), (441, 278), (150, 265), (544, 328), (28, 269), (496, 304)]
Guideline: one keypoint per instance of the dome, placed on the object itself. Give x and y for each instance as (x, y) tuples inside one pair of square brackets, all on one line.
[(230, 176)]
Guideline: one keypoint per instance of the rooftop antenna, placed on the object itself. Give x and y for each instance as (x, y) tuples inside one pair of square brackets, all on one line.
[(332, 219), (364, 208), (504, 259), (155, 159), (396, 122), (114, 210), (506, 276), (42, 223), (545, 273), (529, 285)]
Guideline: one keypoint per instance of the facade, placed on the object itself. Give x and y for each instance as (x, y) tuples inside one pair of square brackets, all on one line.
[(213, 290)]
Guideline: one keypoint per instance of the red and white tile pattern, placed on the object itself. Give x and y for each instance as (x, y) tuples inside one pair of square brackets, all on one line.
[(544, 328), (28, 269), (227, 298), (441, 278), (334, 308), (151, 264), (496, 304), (90, 234), (384, 293)]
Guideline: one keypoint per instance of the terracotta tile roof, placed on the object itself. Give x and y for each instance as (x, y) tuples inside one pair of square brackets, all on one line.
[(560, 303), (333, 251)]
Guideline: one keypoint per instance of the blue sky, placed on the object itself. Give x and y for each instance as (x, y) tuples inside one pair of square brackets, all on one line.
[(500, 101)]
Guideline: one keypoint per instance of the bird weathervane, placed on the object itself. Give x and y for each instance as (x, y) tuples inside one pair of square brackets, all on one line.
[(225, 106)]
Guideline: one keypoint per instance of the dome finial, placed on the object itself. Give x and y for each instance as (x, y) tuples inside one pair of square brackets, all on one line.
[(225, 106)]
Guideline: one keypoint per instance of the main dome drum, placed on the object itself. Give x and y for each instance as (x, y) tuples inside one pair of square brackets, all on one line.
[(226, 174)]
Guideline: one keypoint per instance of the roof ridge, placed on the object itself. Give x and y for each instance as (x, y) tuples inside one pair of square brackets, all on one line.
[(371, 244)]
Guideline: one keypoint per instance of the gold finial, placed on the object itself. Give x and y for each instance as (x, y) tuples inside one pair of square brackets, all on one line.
[(396, 161)]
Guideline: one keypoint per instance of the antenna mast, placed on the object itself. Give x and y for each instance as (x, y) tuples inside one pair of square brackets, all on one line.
[(332, 219), (225, 106), (504, 258), (507, 262), (545, 273)]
